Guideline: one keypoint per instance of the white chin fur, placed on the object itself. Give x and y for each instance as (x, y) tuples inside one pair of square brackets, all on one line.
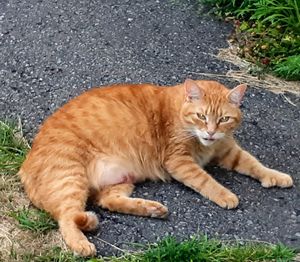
[(206, 142), (202, 134)]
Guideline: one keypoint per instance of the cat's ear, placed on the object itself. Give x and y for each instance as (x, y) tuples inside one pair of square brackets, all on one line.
[(192, 90), (236, 95)]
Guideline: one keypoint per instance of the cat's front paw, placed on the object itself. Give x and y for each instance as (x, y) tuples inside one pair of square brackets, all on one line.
[(275, 178), (155, 209), (226, 199)]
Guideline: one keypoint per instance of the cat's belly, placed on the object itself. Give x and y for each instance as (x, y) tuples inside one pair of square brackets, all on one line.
[(111, 171)]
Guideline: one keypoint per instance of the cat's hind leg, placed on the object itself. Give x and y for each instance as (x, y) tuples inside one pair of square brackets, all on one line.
[(117, 198), (72, 217), (64, 194)]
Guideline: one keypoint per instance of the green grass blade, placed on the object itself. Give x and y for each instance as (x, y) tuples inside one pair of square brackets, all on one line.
[(35, 220), (13, 147)]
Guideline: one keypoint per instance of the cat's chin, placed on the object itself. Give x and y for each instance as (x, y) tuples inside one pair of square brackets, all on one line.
[(207, 142)]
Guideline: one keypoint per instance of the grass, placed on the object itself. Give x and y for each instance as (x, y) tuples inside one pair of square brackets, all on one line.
[(13, 147), (289, 67), (267, 32), (27, 234), (34, 219), (200, 249), (203, 249)]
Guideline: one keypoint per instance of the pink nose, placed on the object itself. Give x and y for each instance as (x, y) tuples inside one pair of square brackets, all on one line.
[(211, 133)]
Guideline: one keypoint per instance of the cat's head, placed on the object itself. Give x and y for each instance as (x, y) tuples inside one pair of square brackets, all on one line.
[(211, 111)]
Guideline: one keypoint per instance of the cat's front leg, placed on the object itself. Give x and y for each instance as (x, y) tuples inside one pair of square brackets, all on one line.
[(235, 158), (186, 171)]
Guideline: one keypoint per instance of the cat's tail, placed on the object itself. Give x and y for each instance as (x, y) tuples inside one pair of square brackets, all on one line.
[(86, 221)]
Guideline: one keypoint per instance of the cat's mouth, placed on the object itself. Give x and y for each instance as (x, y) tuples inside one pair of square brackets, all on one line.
[(209, 139)]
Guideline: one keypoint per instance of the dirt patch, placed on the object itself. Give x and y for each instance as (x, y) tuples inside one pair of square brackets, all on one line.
[(14, 241)]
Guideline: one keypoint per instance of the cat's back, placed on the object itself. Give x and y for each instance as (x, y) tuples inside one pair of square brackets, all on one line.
[(102, 116), (117, 92), (102, 105)]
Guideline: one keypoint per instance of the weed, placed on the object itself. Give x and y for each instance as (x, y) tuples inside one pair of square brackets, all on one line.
[(267, 32), (289, 67)]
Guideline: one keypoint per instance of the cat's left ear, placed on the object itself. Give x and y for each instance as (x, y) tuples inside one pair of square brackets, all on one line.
[(236, 95)]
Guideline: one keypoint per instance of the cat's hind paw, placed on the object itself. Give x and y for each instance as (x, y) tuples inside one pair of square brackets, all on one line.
[(83, 248)]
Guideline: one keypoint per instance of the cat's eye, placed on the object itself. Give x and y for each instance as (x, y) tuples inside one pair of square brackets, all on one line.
[(224, 119), (201, 116)]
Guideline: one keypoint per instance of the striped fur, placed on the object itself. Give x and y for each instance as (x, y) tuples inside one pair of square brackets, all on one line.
[(101, 143)]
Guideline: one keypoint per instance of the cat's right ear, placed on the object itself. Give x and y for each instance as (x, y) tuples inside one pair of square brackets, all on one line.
[(192, 90)]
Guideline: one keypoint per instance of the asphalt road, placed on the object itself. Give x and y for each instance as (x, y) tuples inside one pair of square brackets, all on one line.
[(51, 51)]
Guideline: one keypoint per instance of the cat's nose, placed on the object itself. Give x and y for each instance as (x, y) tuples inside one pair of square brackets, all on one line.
[(211, 133)]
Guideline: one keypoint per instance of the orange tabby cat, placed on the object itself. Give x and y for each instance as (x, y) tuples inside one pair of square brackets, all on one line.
[(104, 141)]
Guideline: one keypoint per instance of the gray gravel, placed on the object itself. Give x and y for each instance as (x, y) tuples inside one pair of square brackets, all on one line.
[(54, 50)]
